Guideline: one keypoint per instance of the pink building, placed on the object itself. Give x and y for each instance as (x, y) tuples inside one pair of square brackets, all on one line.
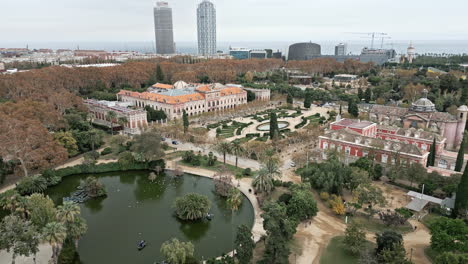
[(423, 115)]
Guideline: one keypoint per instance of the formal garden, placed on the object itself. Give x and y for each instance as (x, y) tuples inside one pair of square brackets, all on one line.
[(257, 126)]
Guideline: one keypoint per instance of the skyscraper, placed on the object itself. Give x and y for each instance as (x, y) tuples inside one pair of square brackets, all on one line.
[(163, 28), (341, 49), (206, 21)]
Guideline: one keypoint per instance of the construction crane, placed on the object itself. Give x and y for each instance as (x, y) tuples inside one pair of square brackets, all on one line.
[(383, 38), (373, 35)]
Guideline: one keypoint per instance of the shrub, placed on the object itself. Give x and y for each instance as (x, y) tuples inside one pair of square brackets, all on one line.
[(405, 212), (252, 135), (106, 151), (284, 198), (31, 184), (247, 172), (188, 156), (324, 196)]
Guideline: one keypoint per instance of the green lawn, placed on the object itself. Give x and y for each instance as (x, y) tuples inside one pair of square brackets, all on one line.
[(336, 253), (375, 225)]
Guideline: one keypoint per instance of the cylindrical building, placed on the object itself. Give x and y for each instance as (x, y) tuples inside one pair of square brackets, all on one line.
[(304, 51)]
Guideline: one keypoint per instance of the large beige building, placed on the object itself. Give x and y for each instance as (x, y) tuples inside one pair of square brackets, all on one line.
[(193, 98)]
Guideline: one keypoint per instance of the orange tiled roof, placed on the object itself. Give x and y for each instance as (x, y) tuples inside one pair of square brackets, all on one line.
[(163, 86), (178, 99), (231, 90)]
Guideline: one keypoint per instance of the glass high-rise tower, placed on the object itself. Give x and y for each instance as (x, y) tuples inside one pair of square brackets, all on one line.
[(163, 28), (206, 21)]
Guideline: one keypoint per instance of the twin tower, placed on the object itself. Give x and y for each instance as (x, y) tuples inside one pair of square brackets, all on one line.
[(206, 24)]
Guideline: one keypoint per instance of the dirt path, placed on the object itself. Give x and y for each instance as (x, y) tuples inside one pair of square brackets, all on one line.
[(315, 236), (417, 241)]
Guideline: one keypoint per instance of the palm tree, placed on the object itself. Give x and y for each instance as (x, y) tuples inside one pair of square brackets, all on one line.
[(223, 147), (234, 200), (76, 229), (122, 121), (263, 181), (54, 233), (271, 164), (111, 115), (237, 149), (68, 212), (16, 204)]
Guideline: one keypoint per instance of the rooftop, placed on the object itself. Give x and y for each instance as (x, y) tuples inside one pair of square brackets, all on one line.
[(353, 123)]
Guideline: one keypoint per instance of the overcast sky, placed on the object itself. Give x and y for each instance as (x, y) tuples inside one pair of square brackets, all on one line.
[(238, 20)]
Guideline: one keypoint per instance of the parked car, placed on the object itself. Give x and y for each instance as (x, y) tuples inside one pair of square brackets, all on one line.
[(174, 142), (292, 164)]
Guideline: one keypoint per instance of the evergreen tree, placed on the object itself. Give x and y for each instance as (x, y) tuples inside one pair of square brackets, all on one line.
[(460, 157), (341, 110), (274, 130), (307, 101), (280, 230), (185, 120), (464, 93), (244, 244), (353, 108), (461, 201), (159, 74), (289, 99), (368, 95), (432, 154), (360, 94)]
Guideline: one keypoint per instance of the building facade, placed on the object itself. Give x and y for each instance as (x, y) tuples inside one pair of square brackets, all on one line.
[(341, 49), (260, 94), (258, 54), (240, 53), (163, 28), (99, 110), (193, 98), (206, 22), (304, 51), (377, 56), (356, 139), (422, 115)]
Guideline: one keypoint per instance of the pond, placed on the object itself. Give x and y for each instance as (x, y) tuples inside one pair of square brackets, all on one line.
[(266, 126), (136, 209)]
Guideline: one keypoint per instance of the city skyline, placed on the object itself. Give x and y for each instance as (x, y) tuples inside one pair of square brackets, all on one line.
[(105, 20)]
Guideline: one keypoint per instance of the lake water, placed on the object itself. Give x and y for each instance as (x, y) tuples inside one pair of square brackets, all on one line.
[(136, 209)]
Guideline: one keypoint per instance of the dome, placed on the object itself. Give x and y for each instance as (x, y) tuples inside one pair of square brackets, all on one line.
[(180, 85), (423, 105), (463, 108)]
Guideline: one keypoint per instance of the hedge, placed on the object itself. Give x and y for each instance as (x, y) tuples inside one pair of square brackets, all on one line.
[(301, 124), (252, 135)]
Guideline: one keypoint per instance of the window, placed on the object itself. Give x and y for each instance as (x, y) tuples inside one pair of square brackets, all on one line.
[(384, 158), (347, 150), (325, 145), (443, 164), (424, 147)]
